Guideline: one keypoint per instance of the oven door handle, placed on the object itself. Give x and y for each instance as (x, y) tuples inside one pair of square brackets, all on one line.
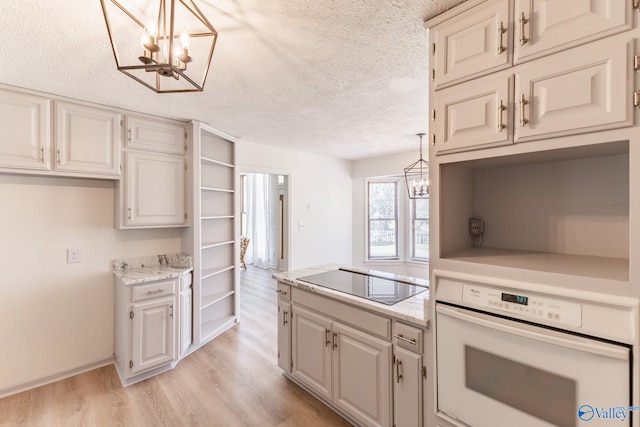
[(532, 332)]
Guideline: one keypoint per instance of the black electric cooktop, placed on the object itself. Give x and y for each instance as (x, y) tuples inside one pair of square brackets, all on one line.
[(386, 291)]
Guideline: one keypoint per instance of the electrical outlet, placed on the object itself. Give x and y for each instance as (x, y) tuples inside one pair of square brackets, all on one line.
[(476, 227), (301, 226), (73, 255)]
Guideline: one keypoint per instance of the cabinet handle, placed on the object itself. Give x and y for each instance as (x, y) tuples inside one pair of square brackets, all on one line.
[(501, 108), (42, 155), (129, 133), (284, 318), (523, 119), (59, 160), (157, 291), (501, 31), (335, 340), (171, 310), (129, 213), (281, 292), (326, 337), (411, 341), (523, 39), (398, 373)]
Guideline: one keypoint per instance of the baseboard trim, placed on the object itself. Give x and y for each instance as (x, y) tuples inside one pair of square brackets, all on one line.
[(18, 388)]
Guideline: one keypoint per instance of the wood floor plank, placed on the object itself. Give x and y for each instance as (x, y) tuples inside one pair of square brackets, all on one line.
[(233, 381)]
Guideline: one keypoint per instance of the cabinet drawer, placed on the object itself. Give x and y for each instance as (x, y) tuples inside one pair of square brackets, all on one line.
[(153, 290), (366, 321), (408, 337), (284, 291)]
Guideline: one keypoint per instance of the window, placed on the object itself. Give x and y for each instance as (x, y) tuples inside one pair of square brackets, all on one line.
[(397, 228), (419, 229), (383, 220)]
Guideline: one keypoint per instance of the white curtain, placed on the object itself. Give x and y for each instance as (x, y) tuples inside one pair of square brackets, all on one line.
[(258, 219)]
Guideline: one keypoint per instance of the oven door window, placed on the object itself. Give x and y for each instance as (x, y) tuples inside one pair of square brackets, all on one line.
[(498, 373)]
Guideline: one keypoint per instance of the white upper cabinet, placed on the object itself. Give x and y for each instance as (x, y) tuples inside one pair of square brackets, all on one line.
[(474, 115), (547, 26), (586, 91), (472, 45), (154, 193), (162, 136), (81, 141), (88, 139), (25, 123)]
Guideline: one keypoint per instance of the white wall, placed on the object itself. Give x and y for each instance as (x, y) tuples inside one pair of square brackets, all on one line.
[(389, 165), (54, 316), (320, 198)]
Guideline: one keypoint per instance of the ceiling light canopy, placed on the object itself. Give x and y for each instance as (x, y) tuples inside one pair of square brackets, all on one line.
[(416, 176), (166, 45)]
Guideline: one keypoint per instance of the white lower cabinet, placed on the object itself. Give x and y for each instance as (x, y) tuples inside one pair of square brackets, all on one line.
[(154, 331), (284, 335), (186, 313), (348, 368), (407, 388), (147, 321)]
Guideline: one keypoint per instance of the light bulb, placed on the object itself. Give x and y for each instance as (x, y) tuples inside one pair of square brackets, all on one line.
[(152, 28), (144, 39), (185, 40)]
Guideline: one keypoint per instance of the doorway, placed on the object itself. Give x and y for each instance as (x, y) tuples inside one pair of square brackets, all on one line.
[(264, 200)]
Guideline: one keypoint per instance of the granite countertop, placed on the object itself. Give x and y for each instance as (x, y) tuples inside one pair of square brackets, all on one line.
[(132, 271), (413, 309)]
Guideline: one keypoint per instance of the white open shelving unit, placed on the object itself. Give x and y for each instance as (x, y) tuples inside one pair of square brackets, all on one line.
[(212, 239)]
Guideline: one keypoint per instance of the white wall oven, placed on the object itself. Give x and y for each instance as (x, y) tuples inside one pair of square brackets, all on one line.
[(519, 354)]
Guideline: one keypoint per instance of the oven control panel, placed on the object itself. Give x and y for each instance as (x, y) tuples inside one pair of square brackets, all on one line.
[(531, 307)]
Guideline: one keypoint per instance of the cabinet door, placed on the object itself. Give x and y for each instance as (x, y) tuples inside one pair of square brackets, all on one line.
[(312, 347), (163, 136), (471, 44), (284, 335), (407, 387), (547, 26), (25, 123), (88, 140), (587, 90), (474, 115), (186, 319), (361, 376), (154, 189), (154, 328)]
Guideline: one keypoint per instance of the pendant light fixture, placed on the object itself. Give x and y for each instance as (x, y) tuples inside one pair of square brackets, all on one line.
[(166, 45), (416, 176)]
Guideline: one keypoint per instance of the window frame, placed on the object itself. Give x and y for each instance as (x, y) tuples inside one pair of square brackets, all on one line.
[(411, 229), (404, 226), (397, 210)]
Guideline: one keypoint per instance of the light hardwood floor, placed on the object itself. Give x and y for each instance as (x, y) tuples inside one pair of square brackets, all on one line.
[(232, 381)]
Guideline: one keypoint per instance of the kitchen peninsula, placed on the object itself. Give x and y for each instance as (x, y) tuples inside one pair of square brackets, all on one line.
[(364, 359)]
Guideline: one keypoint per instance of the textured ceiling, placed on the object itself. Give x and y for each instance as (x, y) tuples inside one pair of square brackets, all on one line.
[(345, 78)]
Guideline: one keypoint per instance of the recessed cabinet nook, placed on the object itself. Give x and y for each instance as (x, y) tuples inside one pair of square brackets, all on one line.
[(533, 123)]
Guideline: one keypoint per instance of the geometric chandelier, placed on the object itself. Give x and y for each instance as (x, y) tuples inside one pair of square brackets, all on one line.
[(416, 176), (166, 45)]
